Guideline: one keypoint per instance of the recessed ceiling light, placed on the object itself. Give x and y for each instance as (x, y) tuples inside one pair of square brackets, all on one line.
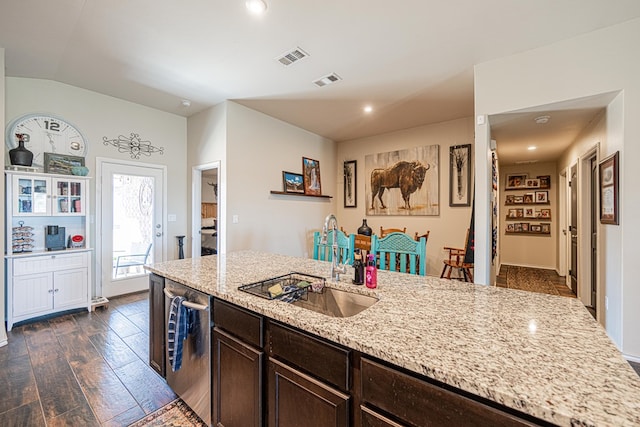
[(257, 7), (531, 147), (368, 108), (541, 120)]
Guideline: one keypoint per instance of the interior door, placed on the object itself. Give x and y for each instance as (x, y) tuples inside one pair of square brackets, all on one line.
[(594, 233), (573, 229), (131, 221)]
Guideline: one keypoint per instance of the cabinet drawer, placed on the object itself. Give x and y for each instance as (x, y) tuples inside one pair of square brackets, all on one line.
[(46, 263), (421, 403), (325, 360), (239, 322)]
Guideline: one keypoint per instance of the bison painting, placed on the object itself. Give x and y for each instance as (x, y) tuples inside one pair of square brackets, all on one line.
[(407, 176)]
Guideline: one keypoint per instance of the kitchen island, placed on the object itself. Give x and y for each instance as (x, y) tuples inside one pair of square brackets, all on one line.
[(540, 355)]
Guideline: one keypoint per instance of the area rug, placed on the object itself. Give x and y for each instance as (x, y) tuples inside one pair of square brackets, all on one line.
[(530, 279), (174, 414)]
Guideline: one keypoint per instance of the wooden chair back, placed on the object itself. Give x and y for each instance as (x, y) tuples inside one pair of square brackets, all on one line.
[(324, 252), (399, 252), (385, 231), (455, 260)]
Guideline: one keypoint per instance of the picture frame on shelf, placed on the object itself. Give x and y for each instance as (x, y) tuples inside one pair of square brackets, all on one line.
[(512, 213), (532, 183), (545, 213), (61, 163), (545, 228), (509, 199), (529, 213), (515, 181), (460, 175), (608, 172), (536, 228), (545, 182), (350, 187), (311, 175), (518, 200), (525, 227), (510, 228), (517, 227), (292, 182), (528, 198), (542, 197)]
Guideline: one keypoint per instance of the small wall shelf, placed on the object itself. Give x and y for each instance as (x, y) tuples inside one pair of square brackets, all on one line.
[(283, 193)]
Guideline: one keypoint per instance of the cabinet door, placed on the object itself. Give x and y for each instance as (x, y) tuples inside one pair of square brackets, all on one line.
[(70, 288), (31, 196), (32, 294), (296, 399), (156, 324), (237, 382), (68, 197), (371, 418)]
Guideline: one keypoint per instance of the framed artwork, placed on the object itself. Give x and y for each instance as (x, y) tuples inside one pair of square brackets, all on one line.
[(545, 182), (60, 163), (529, 213), (536, 229), (350, 184), (528, 198), (518, 199), (545, 228), (545, 213), (509, 199), (460, 175), (403, 182), (292, 182), (510, 228), (532, 183), (513, 213), (515, 180), (608, 171), (525, 227), (542, 197), (311, 175), (517, 227)]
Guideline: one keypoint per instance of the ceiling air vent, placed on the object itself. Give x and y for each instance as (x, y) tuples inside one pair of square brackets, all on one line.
[(327, 80), (294, 55)]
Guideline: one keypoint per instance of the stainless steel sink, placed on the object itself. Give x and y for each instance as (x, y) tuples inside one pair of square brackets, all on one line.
[(336, 303)]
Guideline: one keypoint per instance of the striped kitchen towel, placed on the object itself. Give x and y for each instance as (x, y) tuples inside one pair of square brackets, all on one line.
[(176, 331)]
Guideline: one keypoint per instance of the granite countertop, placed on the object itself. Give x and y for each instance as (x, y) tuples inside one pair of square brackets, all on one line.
[(541, 354)]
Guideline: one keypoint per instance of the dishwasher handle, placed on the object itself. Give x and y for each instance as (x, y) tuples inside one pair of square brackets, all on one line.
[(188, 304)]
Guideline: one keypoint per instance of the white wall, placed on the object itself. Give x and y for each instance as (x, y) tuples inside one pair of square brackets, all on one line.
[(599, 62), (97, 116), (259, 148), (447, 229), (254, 149), (537, 251)]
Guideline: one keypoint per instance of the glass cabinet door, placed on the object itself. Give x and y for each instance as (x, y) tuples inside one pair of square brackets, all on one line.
[(68, 197), (31, 195)]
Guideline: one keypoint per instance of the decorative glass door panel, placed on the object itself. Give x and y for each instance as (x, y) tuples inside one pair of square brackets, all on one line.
[(69, 197), (32, 196)]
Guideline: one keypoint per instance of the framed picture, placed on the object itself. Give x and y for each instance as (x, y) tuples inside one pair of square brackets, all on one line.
[(528, 213), (509, 199), (525, 227), (60, 163), (532, 183), (460, 175), (350, 186), (545, 213), (515, 180), (510, 228), (517, 227), (528, 198), (542, 197), (519, 213), (545, 228), (545, 182), (608, 171), (292, 182), (536, 228), (311, 174), (513, 213), (518, 199)]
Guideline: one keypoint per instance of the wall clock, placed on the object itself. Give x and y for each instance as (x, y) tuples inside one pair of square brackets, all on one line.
[(46, 134)]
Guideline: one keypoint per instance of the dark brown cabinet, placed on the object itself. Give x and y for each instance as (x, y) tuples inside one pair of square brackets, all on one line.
[(156, 324), (237, 396), (296, 399), (417, 402), (237, 382)]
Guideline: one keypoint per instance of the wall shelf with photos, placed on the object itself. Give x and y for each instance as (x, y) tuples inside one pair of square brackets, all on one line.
[(528, 228), (515, 214), (522, 181)]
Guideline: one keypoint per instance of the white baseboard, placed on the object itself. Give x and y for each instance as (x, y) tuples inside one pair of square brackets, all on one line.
[(631, 358)]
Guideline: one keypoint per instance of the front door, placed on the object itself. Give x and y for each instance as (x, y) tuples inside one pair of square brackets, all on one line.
[(573, 228), (131, 223)]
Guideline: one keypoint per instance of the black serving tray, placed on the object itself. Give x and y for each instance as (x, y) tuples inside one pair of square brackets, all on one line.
[(261, 288)]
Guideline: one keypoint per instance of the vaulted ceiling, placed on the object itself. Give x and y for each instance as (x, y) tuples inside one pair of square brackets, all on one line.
[(411, 60)]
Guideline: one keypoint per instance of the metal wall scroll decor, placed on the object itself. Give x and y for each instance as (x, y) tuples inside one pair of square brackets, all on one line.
[(133, 145)]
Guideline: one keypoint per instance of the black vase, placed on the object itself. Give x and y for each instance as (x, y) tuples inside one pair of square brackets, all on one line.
[(20, 156), (364, 229)]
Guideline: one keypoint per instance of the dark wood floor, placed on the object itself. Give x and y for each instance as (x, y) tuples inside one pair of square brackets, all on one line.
[(82, 369)]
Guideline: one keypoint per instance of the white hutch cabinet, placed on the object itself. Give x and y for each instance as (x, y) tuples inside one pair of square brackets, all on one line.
[(41, 281)]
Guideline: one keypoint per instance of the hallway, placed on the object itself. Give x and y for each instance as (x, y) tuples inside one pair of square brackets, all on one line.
[(533, 280)]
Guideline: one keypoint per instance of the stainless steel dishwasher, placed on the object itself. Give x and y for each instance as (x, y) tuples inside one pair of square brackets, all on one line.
[(192, 382)]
